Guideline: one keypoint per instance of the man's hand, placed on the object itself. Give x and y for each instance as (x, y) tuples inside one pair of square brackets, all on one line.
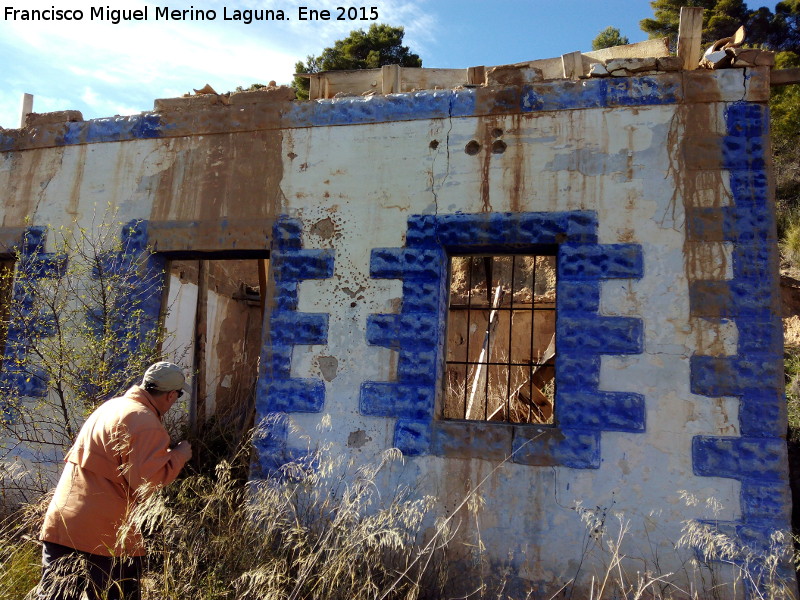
[(184, 448)]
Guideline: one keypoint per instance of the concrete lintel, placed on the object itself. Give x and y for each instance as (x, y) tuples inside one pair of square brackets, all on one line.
[(231, 236)]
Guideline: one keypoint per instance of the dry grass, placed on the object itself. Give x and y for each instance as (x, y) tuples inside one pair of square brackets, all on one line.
[(321, 529)]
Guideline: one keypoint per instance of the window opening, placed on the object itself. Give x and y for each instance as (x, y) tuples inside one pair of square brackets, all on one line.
[(500, 355)]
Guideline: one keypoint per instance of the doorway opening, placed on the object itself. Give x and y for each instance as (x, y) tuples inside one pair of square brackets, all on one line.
[(212, 315)]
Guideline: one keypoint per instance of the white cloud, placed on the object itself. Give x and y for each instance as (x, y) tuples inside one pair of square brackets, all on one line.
[(89, 96), (96, 66)]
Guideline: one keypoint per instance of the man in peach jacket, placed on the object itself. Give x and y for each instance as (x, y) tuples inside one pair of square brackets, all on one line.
[(121, 451)]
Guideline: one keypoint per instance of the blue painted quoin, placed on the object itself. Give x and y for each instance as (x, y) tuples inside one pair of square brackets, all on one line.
[(20, 376), (417, 332), (751, 300), (278, 392)]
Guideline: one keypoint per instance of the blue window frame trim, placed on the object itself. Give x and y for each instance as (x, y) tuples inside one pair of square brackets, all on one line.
[(24, 377), (19, 376), (417, 332), (278, 393)]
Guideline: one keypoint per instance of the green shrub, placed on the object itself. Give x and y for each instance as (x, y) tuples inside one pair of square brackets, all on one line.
[(20, 553)]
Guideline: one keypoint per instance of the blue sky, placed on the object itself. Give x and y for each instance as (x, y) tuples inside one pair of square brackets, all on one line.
[(103, 69)]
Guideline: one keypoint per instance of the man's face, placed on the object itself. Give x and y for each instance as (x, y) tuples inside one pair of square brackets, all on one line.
[(172, 397)]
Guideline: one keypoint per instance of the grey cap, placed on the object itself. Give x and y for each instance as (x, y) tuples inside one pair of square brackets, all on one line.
[(165, 377)]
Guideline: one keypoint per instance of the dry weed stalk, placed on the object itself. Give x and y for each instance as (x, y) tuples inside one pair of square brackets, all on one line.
[(319, 530)]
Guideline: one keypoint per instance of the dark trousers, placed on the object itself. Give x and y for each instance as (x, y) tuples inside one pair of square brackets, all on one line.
[(67, 573)]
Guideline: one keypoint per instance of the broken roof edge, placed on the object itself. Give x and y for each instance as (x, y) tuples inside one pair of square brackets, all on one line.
[(647, 49), (396, 79), (261, 112)]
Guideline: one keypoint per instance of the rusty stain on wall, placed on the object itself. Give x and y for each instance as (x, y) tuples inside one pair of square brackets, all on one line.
[(224, 175)]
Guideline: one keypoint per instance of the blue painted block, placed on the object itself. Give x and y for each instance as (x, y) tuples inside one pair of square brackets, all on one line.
[(766, 501), (295, 395), (762, 413), (462, 103), (542, 228), (760, 336), (758, 298), (472, 439), (33, 240), (347, 111), (577, 296), (428, 104), (384, 330), (44, 265), (759, 371), (602, 411), (752, 224), (563, 95), (750, 188), (581, 227), (568, 447), (386, 399), (135, 237), (44, 325), (272, 431), (7, 142), (277, 360), (422, 296), (147, 126), (110, 263), (419, 330), (754, 260), (748, 459), (286, 234), (105, 130), (403, 263), (600, 335), (747, 153), (284, 295), (756, 536), (455, 230), (299, 328), (421, 232), (600, 261), (747, 119), (26, 381), (577, 372), (24, 298), (496, 230), (644, 90), (412, 438), (417, 367), (297, 265), (74, 133), (713, 376), (752, 298), (270, 443)]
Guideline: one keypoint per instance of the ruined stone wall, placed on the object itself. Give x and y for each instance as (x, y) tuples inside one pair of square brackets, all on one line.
[(654, 193)]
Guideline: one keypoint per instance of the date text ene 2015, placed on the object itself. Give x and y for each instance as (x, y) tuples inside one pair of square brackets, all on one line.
[(342, 13)]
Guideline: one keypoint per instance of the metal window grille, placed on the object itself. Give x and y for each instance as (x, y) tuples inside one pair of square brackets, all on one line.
[(500, 356)]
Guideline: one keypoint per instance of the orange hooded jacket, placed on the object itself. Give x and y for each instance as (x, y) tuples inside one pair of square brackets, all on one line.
[(122, 446)]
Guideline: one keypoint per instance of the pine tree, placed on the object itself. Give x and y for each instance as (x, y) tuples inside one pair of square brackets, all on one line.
[(609, 37), (380, 45)]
